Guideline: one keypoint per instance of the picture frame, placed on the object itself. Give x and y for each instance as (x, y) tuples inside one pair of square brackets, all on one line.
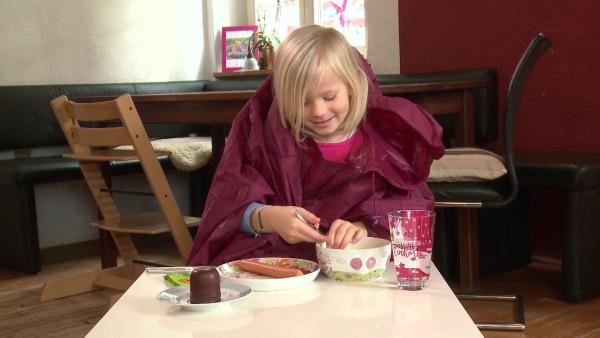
[(234, 46)]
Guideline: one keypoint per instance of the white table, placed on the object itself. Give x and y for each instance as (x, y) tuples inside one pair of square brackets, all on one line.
[(324, 308)]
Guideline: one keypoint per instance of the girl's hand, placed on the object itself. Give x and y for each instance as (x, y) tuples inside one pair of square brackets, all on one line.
[(343, 232), (283, 221)]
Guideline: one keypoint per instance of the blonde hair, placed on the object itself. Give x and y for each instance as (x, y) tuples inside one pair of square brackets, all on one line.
[(299, 64)]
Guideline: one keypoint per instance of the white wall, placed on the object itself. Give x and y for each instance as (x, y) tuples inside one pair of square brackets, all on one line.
[(223, 13), (383, 38), (103, 41), (96, 41)]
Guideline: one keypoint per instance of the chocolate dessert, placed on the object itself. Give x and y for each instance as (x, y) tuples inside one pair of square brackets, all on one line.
[(205, 286)]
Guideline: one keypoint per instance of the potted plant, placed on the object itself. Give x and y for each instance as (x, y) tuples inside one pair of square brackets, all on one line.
[(266, 44)]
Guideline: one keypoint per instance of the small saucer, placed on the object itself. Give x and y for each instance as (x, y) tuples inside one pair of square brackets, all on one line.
[(180, 295)]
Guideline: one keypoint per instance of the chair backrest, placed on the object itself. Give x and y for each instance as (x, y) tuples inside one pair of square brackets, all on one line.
[(92, 131), (86, 125), (538, 45)]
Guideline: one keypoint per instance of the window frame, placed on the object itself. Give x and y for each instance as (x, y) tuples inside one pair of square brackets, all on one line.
[(307, 12), (379, 38)]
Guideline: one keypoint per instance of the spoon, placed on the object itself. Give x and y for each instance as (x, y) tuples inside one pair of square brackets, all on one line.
[(301, 217), (174, 269), (170, 269)]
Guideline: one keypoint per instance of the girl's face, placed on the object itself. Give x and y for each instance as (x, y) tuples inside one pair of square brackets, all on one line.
[(326, 107)]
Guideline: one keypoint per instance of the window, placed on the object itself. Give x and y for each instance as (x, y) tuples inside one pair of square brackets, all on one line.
[(280, 16), (347, 16)]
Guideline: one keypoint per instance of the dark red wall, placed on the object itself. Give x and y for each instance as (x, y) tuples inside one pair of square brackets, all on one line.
[(560, 106)]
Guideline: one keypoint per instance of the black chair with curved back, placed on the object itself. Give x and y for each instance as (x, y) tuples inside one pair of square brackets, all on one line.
[(469, 196)]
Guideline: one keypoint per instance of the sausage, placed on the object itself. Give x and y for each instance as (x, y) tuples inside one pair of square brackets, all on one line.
[(267, 269)]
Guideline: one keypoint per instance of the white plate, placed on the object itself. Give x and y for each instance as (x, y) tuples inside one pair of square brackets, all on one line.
[(230, 272), (180, 295)]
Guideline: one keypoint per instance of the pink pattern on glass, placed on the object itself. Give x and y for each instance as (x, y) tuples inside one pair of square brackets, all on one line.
[(412, 242)]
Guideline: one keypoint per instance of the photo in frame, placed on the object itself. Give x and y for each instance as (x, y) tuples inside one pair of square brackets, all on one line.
[(234, 46)]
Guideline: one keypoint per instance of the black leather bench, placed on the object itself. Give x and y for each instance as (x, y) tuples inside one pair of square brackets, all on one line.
[(577, 175), (28, 126), (28, 123), (484, 99)]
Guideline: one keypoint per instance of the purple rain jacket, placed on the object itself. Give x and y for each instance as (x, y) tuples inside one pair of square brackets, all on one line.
[(262, 162)]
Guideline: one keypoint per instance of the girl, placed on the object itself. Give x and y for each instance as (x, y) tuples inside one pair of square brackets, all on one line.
[(317, 141)]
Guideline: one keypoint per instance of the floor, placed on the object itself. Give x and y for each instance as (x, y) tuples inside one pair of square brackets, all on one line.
[(546, 314)]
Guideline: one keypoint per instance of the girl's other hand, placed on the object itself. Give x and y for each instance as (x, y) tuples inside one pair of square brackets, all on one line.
[(343, 232), (283, 221)]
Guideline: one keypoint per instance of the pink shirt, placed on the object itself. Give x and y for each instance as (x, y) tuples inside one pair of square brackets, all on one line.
[(339, 152)]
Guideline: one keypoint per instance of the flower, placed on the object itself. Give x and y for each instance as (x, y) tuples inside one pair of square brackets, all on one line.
[(264, 40)]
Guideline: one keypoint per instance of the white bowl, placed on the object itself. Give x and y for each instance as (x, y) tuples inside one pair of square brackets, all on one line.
[(363, 261)]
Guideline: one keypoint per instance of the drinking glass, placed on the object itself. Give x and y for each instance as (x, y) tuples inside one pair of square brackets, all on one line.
[(412, 241)]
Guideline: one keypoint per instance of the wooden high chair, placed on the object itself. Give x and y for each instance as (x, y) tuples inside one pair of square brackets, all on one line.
[(93, 130)]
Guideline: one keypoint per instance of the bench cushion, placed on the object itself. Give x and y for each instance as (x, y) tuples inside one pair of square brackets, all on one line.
[(169, 87), (38, 170), (228, 85), (28, 121), (577, 176), (20, 171), (572, 170), (465, 191)]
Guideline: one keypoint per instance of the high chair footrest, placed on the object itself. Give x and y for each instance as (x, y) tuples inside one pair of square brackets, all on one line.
[(149, 223), (519, 325)]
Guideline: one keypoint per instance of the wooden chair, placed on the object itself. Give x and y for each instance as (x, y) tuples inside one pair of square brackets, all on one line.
[(93, 130)]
